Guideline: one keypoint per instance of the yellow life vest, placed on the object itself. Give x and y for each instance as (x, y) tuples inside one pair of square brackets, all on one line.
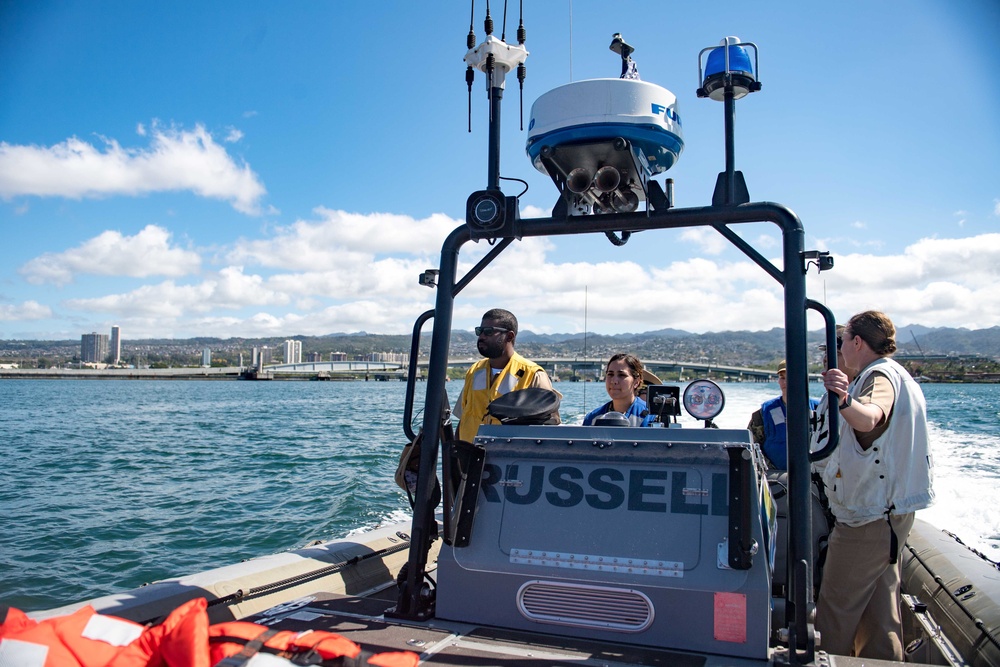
[(481, 388)]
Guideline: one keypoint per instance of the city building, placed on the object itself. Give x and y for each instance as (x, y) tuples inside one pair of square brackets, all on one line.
[(261, 357), (388, 357), (206, 358), (116, 345), (293, 351), (94, 348)]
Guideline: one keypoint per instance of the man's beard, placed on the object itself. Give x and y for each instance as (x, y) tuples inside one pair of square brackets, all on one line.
[(491, 349)]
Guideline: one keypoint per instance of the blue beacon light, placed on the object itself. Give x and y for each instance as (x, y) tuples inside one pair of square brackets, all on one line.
[(729, 62)]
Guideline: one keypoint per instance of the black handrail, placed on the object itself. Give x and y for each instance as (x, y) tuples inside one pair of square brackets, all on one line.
[(832, 414), (411, 374)]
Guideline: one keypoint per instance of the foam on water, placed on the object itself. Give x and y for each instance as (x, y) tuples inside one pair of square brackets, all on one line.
[(966, 472)]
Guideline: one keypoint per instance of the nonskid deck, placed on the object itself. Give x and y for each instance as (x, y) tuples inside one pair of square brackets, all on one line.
[(446, 643)]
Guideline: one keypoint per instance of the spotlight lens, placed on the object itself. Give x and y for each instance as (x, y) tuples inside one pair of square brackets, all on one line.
[(703, 399)]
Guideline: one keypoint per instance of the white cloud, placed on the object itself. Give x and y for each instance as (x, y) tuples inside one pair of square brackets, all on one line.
[(530, 212), (996, 207), (707, 240), (934, 282), (175, 160), (339, 238), (329, 275), (148, 253), (29, 310), (228, 289), (233, 136)]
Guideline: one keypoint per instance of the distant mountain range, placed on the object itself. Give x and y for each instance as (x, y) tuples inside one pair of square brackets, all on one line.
[(754, 348), (741, 348)]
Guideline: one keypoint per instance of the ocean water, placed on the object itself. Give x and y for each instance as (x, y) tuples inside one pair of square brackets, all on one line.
[(106, 485)]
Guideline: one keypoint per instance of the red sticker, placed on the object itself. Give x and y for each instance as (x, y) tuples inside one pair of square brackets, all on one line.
[(731, 617)]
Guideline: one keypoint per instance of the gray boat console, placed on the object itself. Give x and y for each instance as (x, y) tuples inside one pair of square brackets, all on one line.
[(651, 536)]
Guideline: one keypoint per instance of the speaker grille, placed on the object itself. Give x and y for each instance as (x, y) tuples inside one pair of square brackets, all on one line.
[(599, 607)]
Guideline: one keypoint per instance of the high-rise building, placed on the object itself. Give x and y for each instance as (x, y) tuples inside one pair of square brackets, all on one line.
[(94, 348), (293, 352), (261, 357), (116, 345), (206, 357)]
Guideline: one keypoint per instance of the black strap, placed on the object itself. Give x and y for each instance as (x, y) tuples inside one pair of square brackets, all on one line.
[(893, 540), (251, 648)]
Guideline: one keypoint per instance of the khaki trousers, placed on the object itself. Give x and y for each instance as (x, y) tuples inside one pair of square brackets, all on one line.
[(858, 608)]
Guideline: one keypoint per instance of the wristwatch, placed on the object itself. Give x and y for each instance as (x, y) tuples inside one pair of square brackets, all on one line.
[(847, 401)]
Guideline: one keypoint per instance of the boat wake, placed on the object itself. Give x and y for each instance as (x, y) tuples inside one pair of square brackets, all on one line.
[(966, 469)]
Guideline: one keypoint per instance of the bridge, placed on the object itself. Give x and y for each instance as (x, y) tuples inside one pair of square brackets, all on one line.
[(687, 370), (587, 367), (336, 367), (563, 367)]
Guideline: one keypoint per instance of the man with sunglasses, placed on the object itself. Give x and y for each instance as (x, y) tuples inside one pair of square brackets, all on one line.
[(502, 371)]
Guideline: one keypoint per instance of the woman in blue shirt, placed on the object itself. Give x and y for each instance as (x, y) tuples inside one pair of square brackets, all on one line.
[(623, 379)]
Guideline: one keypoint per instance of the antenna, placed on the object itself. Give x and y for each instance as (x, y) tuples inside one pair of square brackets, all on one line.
[(470, 74), (489, 213), (585, 347)]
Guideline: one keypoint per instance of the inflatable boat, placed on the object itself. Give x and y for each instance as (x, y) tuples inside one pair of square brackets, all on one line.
[(588, 545)]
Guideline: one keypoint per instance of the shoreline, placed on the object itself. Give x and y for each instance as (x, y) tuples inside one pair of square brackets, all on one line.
[(212, 374)]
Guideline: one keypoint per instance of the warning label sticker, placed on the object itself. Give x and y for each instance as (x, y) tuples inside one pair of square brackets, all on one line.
[(731, 617)]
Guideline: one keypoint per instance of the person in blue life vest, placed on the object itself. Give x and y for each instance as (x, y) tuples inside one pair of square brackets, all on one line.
[(623, 379), (876, 479), (768, 424), (501, 371)]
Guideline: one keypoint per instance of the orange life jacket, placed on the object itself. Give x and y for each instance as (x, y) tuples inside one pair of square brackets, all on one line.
[(181, 640), (185, 639), (81, 639), (239, 640)]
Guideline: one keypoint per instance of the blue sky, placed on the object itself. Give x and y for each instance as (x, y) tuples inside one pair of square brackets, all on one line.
[(257, 168)]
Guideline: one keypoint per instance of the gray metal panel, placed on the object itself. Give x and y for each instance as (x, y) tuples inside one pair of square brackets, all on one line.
[(625, 510)]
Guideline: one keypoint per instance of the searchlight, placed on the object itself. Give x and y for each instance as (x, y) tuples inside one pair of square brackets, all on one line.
[(727, 76), (704, 400)]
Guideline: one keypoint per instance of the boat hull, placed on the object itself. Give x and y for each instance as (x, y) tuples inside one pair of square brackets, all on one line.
[(358, 566), (951, 600)]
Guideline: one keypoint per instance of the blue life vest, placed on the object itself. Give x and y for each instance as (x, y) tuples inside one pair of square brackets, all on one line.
[(775, 444), (637, 413)]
